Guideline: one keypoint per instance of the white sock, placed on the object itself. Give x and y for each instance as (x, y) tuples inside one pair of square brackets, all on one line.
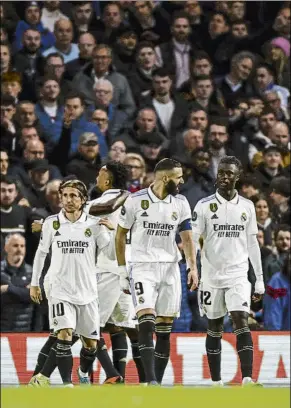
[(247, 380), (82, 374)]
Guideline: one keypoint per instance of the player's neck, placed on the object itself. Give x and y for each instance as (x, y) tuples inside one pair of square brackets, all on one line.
[(227, 194), (159, 191), (73, 217)]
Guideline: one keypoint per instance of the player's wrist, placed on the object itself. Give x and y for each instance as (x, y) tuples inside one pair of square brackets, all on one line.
[(122, 270)]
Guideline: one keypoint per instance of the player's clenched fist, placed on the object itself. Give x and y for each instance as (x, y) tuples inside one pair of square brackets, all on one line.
[(36, 226), (193, 279), (35, 294)]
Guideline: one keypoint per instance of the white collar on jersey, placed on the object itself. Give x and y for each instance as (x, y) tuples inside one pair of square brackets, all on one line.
[(111, 191), (63, 219), (222, 200), (155, 199)]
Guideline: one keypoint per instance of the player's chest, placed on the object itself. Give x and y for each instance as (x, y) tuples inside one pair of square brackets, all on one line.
[(73, 239), (226, 219), (162, 215)]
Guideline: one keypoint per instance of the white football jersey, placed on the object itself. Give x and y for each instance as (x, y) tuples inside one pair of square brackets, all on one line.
[(153, 225), (72, 272), (224, 226)]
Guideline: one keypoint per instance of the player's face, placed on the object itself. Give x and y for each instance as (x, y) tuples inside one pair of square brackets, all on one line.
[(71, 200), (103, 180), (173, 180), (227, 176)]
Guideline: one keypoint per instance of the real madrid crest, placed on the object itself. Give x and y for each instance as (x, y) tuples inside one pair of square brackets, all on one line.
[(243, 217), (213, 207), (144, 204), (174, 216), (56, 225), (88, 233)]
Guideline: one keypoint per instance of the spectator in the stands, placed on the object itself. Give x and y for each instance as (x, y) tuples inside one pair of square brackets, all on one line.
[(197, 119), (175, 54), (137, 171), (275, 261), (14, 217), (83, 18), (4, 162), (53, 202), (272, 99), (144, 125), (236, 10), (48, 110), (201, 183), (265, 81), (117, 151), (101, 68), (239, 29), (270, 167), (34, 149), (218, 139), (9, 19), (282, 21), (11, 85), (170, 108), (249, 186), (54, 66), (184, 144), (201, 64), (140, 77), (107, 27), (205, 96), (74, 124), (264, 219), (87, 162), (100, 118), (25, 114), (50, 14), (280, 196), (5, 61), (8, 126), (104, 100), (86, 44), (277, 55), (151, 149), (64, 36), (277, 299), (17, 309), (235, 84), (124, 50), (32, 19)]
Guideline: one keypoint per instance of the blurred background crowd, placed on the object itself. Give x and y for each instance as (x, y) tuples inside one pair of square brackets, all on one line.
[(84, 82)]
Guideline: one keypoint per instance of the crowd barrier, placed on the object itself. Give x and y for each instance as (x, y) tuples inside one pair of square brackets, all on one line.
[(187, 365)]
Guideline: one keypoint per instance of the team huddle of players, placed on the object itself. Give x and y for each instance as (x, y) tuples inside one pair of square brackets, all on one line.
[(132, 250)]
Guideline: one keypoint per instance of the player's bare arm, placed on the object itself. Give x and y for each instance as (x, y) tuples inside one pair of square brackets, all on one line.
[(110, 206), (190, 255), (120, 244)]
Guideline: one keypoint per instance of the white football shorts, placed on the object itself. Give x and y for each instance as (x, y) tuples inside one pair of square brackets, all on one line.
[(115, 307), (83, 319), (156, 285), (216, 302)]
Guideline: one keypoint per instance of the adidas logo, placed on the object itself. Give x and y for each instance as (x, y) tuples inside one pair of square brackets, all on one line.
[(94, 333), (57, 233), (144, 214), (214, 217), (245, 304)]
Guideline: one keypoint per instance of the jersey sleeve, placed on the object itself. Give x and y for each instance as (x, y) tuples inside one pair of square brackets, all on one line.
[(198, 220), (46, 236), (102, 236), (252, 226), (127, 214), (185, 217)]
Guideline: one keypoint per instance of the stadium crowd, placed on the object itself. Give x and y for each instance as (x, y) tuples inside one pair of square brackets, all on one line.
[(136, 81)]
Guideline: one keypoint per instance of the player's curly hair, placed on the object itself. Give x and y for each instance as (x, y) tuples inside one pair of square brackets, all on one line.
[(74, 183), (232, 160), (119, 173)]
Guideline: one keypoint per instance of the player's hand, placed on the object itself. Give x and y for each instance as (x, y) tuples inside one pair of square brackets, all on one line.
[(124, 285), (36, 226), (35, 294), (193, 279), (108, 224), (259, 291), (24, 202)]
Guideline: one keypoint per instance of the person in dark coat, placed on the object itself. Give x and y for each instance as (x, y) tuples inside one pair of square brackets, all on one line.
[(270, 167), (17, 310)]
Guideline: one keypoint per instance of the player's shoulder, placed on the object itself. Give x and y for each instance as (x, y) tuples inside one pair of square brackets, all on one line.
[(181, 198), (139, 195), (207, 199), (90, 219), (245, 201), (52, 220)]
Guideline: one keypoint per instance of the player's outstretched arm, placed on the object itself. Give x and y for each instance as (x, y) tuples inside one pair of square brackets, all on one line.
[(110, 206), (190, 255)]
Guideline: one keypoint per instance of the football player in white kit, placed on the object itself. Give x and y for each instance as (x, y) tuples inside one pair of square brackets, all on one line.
[(153, 216), (227, 223), (74, 238), (116, 308)]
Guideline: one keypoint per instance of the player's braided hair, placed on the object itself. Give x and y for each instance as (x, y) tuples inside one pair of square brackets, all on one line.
[(77, 184), (232, 160), (119, 173)]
